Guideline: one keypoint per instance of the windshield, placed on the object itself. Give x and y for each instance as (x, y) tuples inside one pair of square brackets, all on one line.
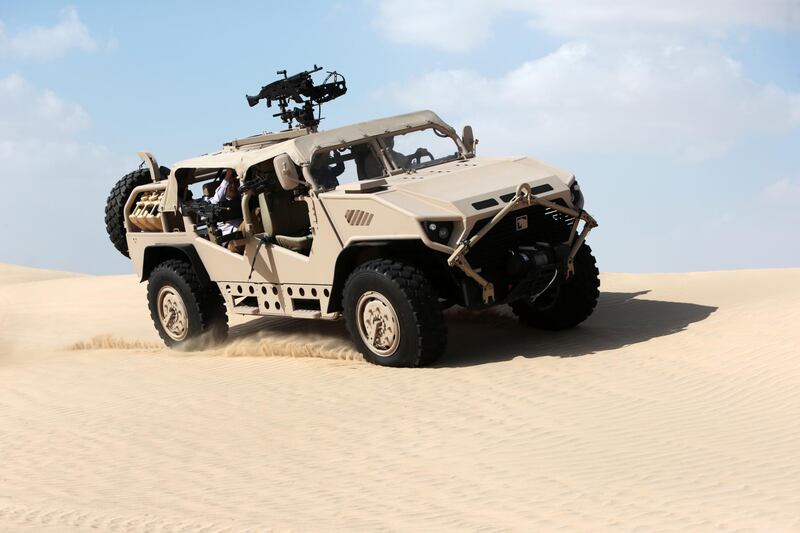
[(420, 149), (362, 160)]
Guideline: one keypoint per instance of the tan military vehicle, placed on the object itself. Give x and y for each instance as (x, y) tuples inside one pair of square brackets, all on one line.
[(383, 223)]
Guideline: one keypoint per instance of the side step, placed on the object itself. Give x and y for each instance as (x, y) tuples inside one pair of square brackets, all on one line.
[(305, 313), (269, 299)]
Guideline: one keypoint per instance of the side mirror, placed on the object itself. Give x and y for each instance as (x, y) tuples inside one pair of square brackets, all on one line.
[(287, 172), (469, 140)]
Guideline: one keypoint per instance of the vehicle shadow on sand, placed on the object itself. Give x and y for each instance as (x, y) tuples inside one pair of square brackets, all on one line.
[(475, 338), (620, 319)]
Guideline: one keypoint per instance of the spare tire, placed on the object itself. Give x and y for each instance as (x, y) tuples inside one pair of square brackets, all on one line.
[(115, 207)]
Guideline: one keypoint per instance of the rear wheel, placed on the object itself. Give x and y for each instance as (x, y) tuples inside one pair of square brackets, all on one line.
[(187, 314), (565, 305), (393, 314)]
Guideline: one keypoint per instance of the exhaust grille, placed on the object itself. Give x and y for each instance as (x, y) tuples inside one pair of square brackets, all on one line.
[(356, 217)]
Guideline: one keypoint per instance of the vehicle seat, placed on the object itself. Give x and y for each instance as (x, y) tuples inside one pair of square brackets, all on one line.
[(286, 219), (367, 165)]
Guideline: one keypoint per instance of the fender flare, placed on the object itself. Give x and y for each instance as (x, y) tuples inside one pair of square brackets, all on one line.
[(358, 252), (155, 254)]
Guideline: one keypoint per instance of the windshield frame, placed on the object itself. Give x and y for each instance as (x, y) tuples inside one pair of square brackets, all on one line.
[(380, 149), (396, 169)]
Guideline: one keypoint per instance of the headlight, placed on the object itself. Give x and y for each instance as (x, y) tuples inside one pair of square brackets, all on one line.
[(439, 230), (577, 195)]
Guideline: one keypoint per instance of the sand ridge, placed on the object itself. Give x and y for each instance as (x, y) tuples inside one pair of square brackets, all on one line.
[(675, 406)]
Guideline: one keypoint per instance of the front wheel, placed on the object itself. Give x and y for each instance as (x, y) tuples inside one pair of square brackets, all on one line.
[(187, 314), (393, 314), (567, 304)]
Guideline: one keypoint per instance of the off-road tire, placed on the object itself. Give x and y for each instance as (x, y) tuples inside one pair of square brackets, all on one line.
[(204, 305), (115, 207), (422, 328), (568, 304)]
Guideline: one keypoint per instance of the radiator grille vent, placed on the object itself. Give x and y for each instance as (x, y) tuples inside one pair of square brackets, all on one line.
[(356, 217), (543, 225)]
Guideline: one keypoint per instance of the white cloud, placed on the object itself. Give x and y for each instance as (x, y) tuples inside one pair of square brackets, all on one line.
[(645, 18), (48, 42), (690, 102), (451, 25), (782, 193), (60, 182), (40, 132), (26, 112), (634, 75), (458, 26)]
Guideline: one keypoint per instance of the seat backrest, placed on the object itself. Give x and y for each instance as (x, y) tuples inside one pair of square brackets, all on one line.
[(367, 165), (281, 214)]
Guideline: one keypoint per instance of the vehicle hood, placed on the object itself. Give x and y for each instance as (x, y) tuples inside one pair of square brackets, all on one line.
[(468, 187)]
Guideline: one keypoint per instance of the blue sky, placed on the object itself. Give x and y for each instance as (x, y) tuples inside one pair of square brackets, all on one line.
[(680, 119)]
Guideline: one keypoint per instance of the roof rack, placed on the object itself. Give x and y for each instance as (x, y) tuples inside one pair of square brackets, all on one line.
[(267, 137)]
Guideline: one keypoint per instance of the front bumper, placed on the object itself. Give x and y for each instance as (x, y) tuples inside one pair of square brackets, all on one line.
[(522, 197)]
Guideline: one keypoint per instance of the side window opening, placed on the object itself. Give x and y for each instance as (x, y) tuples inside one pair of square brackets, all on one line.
[(211, 199), (282, 215), (197, 183), (213, 203)]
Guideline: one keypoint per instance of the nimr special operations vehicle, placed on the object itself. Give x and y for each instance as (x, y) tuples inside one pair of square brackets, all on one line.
[(383, 223)]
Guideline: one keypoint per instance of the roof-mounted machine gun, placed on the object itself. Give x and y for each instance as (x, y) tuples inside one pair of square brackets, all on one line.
[(300, 89)]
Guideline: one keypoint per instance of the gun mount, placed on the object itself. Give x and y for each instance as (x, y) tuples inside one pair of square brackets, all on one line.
[(300, 89), (211, 214)]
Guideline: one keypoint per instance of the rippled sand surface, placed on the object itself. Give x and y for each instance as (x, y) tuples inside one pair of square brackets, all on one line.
[(676, 406)]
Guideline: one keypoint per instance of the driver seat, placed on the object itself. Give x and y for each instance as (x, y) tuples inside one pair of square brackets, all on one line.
[(286, 220)]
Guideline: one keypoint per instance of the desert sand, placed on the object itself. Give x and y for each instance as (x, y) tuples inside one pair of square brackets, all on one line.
[(676, 406)]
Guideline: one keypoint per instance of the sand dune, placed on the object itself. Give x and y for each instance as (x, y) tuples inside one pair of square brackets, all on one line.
[(675, 407), (10, 274)]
